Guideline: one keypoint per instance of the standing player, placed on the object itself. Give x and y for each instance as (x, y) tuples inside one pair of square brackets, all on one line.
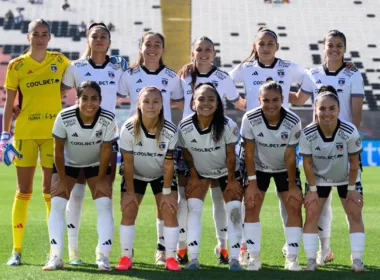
[(202, 70), (96, 66), (208, 139), (36, 76), (148, 142), (330, 148), (348, 84), (83, 137), (271, 134), (150, 70)]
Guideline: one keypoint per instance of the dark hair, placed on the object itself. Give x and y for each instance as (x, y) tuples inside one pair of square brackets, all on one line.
[(193, 73), (140, 57), (218, 120), (31, 27), (262, 30), (335, 33), (327, 94), (327, 88), (92, 26), (270, 85), (89, 84)]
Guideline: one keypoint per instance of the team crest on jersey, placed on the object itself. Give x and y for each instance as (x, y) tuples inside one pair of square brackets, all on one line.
[(339, 146), (111, 74), (281, 73), (165, 82), (162, 146), (54, 67), (215, 83), (358, 142), (99, 133), (341, 82), (284, 136)]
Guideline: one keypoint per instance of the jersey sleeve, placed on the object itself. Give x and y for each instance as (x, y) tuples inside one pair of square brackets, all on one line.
[(354, 143), (295, 134), (123, 89), (357, 85), (177, 92), (230, 90), (68, 78), (112, 132), (173, 142), (305, 146), (237, 74), (181, 141), (11, 78), (232, 133), (307, 84), (126, 140), (59, 130), (246, 130), (298, 73)]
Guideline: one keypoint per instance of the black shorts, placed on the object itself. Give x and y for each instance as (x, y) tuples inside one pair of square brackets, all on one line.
[(324, 191), (156, 185), (280, 179), (222, 181), (89, 172), (115, 147)]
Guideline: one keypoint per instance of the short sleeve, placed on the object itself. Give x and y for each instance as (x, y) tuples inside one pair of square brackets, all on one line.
[(68, 78), (246, 130), (11, 78), (177, 92), (305, 146), (357, 85), (298, 73), (354, 143), (126, 140), (123, 89), (231, 133), (173, 142), (112, 132), (295, 134), (230, 90), (59, 130), (237, 74), (307, 85), (181, 141)]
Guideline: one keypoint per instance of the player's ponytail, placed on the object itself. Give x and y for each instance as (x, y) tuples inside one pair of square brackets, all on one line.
[(140, 58)]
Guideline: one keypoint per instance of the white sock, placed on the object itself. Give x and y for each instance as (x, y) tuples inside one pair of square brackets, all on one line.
[(243, 243), (234, 227), (357, 241), (127, 238), (57, 225), (293, 238), (194, 226), (104, 225), (74, 213), (182, 218), (220, 216), (310, 243), (252, 233), (160, 233), (324, 225), (171, 237)]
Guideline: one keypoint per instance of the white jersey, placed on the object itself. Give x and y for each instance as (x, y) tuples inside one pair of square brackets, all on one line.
[(253, 74), (220, 79), (209, 154), (348, 84), (330, 155), (107, 76), (148, 153), (271, 142), (165, 79), (83, 142)]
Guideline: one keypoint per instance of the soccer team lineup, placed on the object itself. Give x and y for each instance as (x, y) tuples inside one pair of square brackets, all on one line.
[(206, 153)]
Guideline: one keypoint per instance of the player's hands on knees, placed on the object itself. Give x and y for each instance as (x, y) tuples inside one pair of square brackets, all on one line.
[(234, 188), (185, 70), (294, 192), (250, 194), (103, 186), (310, 198), (192, 185), (170, 201), (60, 187), (356, 197), (128, 198)]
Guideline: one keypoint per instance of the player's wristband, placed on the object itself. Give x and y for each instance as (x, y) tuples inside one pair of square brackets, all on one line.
[(251, 178), (351, 187), (166, 191), (313, 188)]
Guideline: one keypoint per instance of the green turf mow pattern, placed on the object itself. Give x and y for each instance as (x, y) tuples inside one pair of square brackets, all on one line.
[(36, 242)]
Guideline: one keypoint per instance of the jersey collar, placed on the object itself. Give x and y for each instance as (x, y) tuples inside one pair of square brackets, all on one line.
[(328, 73), (81, 122), (200, 131), (146, 70), (268, 66), (213, 69), (147, 134), (332, 137), (282, 117), (98, 66)]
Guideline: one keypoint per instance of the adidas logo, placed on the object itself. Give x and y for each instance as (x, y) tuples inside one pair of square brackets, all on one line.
[(317, 148), (224, 229), (161, 238), (53, 242), (139, 81), (19, 226), (30, 72), (182, 230), (108, 242), (88, 74), (237, 245), (194, 141), (194, 243), (293, 245), (139, 144), (261, 134), (70, 226), (319, 82), (75, 135), (249, 241), (255, 73)]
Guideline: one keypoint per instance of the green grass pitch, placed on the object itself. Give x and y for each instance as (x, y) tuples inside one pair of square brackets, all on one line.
[(36, 242)]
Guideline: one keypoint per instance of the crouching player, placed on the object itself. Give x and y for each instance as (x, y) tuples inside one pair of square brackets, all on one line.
[(83, 136)]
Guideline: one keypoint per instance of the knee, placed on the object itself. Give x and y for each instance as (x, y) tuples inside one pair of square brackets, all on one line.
[(312, 214), (129, 214), (354, 217), (294, 210), (78, 192), (169, 217)]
